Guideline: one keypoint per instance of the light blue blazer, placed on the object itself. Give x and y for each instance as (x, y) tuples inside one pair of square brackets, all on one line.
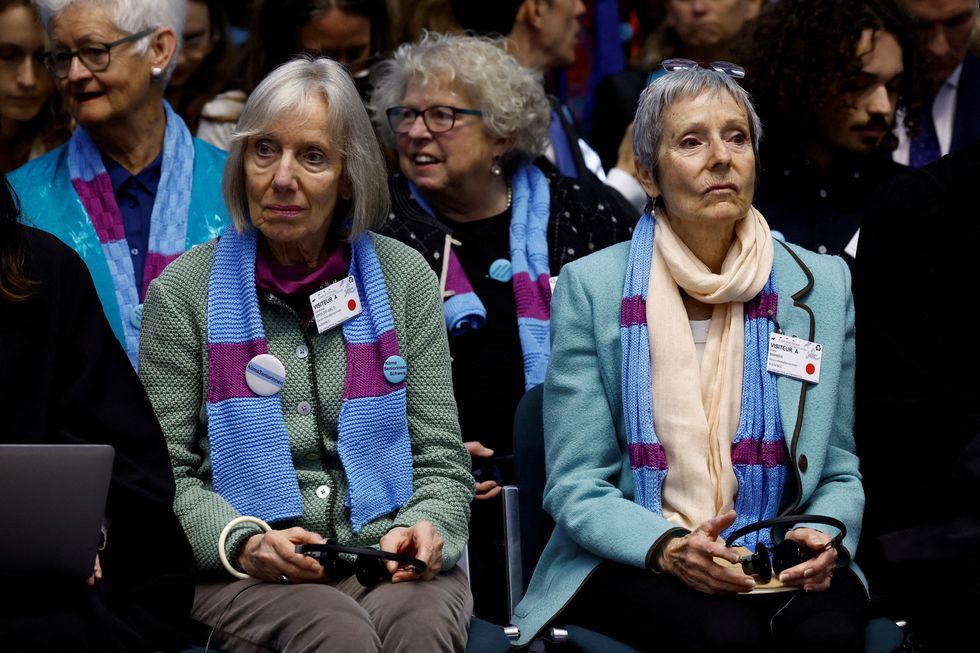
[(589, 490), (49, 202)]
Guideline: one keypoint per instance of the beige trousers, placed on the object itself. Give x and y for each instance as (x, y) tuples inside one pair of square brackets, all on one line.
[(250, 616)]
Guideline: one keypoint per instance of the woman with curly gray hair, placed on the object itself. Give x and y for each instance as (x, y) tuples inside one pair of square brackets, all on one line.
[(494, 219)]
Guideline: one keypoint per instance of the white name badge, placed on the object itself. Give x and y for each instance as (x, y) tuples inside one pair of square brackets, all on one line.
[(335, 304), (794, 357)]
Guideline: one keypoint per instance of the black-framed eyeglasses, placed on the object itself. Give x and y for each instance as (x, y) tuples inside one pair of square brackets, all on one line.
[(94, 56), (724, 67), (440, 118), (369, 564)]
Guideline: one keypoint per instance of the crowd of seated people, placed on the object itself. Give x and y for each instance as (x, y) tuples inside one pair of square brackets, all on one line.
[(314, 256)]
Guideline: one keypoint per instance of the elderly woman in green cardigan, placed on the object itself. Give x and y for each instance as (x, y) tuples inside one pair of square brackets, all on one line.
[(669, 425), (300, 370)]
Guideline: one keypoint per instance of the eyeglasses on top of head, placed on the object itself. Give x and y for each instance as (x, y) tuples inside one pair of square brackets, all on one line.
[(439, 118), (724, 67), (94, 56), (369, 564)]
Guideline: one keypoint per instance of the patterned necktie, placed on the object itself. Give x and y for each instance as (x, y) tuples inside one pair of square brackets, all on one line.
[(924, 148)]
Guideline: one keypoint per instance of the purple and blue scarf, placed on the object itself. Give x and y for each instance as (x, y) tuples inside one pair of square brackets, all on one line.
[(759, 446), (250, 451), (530, 211), (168, 221)]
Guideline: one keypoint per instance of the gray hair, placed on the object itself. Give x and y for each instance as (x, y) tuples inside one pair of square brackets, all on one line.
[(648, 126), (130, 16), (510, 96), (294, 85)]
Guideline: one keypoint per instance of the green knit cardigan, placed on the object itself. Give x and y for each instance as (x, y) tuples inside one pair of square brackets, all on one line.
[(174, 370)]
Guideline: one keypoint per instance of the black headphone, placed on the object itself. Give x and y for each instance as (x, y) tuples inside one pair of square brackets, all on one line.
[(785, 553), (368, 566)]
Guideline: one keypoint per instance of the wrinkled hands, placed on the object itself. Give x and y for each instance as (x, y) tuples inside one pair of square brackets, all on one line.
[(691, 559), (484, 489), (269, 556), (815, 574), (419, 541)]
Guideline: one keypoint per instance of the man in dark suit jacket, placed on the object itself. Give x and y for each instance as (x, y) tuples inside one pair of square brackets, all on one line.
[(951, 119), (918, 400)]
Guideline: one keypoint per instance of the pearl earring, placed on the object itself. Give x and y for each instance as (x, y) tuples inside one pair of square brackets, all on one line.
[(155, 72), (496, 170)]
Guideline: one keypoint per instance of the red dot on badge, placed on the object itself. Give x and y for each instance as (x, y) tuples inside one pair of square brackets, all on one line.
[(810, 369), (351, 305)]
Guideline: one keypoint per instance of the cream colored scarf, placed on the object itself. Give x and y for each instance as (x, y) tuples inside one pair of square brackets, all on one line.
[(696, 407)]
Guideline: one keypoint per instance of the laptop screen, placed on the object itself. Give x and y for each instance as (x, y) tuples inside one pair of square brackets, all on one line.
[(52, 497)]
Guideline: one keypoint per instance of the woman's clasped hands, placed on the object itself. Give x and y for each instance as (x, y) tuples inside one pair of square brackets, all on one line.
[(691, 558), (272, 556)]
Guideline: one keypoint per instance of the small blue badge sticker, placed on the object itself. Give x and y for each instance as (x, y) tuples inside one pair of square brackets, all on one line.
[(501, 270), (395, 369)]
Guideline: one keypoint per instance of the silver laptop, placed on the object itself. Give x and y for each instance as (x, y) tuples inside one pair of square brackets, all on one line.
[(52, 503)]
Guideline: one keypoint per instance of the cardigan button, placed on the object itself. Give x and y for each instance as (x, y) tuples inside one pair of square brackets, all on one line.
[(323, 491), (804, 463), (304, 408), (302, 351)]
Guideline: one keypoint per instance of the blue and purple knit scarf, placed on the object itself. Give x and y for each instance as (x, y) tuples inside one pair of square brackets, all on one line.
[(168, 221), (758, 448), (530, 209), (250, 452)]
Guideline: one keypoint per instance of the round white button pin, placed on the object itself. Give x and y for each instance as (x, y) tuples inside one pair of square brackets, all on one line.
[(265, 375)]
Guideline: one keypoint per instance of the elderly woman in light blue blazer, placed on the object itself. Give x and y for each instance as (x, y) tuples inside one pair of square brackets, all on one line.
[(701, 380)]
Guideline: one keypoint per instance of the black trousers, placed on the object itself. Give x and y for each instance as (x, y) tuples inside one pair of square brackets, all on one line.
[(658, 612)]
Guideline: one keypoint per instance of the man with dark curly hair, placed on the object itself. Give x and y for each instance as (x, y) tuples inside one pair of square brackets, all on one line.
[(828, 78)]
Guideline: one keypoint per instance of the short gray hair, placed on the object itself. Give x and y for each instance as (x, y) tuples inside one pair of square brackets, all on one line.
[(648, 126), (510, 96), (130, 16), (294, 85)]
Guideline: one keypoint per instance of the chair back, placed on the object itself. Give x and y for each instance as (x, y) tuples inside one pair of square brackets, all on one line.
[(529, 470)]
